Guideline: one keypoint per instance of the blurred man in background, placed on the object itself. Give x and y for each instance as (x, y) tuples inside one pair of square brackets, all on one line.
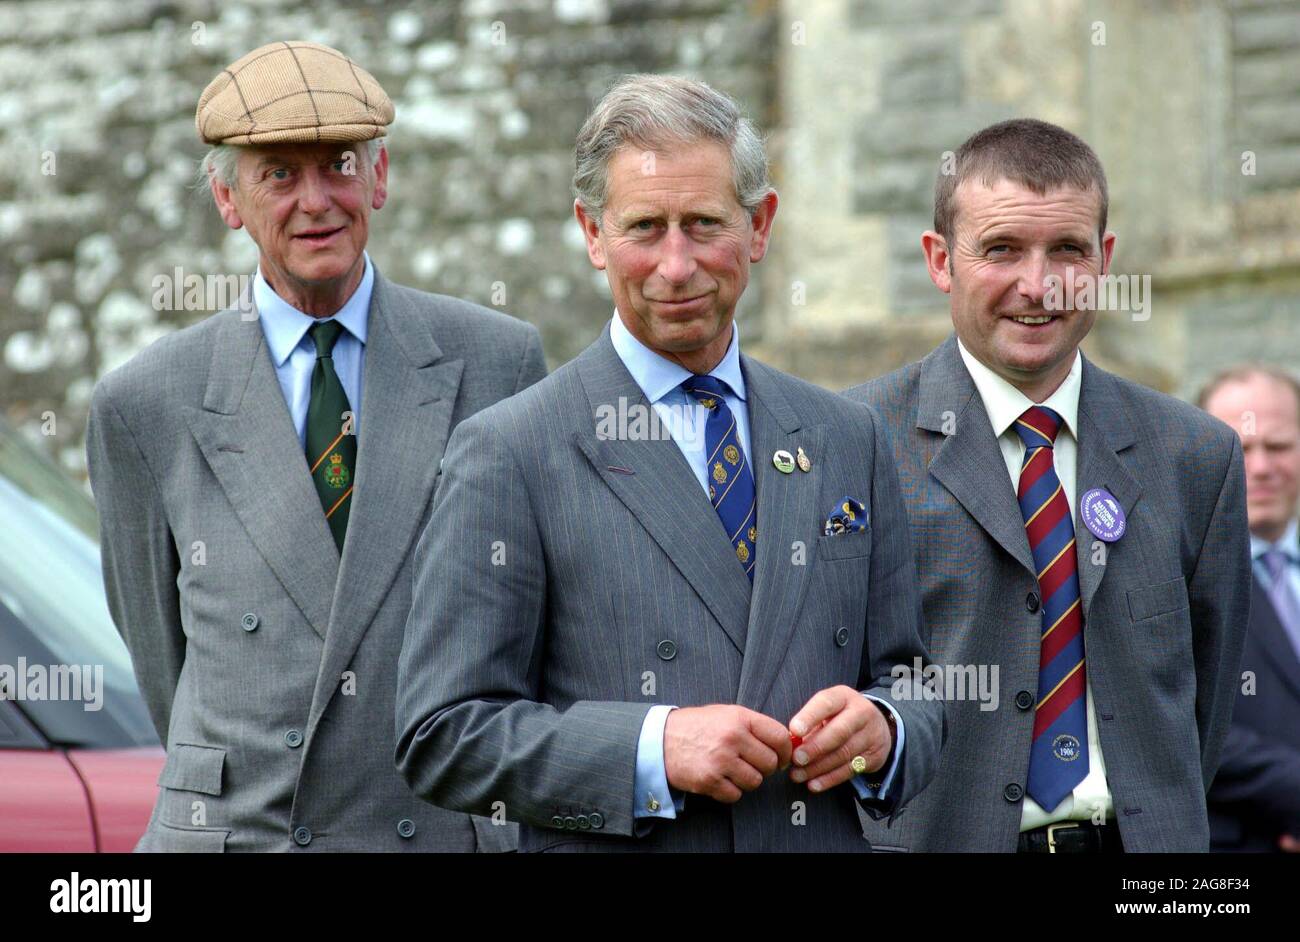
[(1255, 800)]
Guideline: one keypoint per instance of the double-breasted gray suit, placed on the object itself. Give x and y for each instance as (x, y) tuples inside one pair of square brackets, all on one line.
[(568, 581), (1164, 608), (269, 663)]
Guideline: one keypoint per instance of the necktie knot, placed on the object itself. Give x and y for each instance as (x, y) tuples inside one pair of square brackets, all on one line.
[(707, 390), (1275, 560), (1038, 427), (325, 334)]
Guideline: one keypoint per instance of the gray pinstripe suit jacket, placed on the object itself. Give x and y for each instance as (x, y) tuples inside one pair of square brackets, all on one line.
[(526, 682), (269, 663), (1164, 615)]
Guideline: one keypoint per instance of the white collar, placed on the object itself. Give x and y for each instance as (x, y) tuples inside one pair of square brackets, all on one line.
[(1004, 403)]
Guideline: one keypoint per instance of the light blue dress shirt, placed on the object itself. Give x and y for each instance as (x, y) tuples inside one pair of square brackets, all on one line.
[(294, 354), (685, 419)]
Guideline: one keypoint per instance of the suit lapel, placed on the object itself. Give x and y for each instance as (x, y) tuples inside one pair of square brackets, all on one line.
[(409, 391), (1104, 432), (1272, 636), (787, 512), (651, 477), (248, 439), (969, 462)]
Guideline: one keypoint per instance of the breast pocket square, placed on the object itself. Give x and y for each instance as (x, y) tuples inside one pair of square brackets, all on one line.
[(848, 516)]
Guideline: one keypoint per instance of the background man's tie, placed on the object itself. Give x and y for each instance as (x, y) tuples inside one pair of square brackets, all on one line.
[(1283, 598), (731, 480), (331, 446), (1058, 758)]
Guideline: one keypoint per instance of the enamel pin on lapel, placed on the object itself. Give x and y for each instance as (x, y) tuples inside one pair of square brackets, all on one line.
[(1103, 515), (805, 463), (784, 461)]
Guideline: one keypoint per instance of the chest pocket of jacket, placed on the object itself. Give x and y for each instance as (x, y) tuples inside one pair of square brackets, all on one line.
[(1159, 599), (854, 545)]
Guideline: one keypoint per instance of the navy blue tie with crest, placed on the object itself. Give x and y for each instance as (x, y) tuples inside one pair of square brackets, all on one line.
[(731, 480)]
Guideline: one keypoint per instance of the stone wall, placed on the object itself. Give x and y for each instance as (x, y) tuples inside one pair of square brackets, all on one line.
[(1192, 105)]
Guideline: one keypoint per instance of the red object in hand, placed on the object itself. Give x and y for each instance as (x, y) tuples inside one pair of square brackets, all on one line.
[(796, 740)]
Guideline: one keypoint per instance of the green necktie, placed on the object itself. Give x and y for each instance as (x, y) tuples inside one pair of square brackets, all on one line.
[(331, 442)]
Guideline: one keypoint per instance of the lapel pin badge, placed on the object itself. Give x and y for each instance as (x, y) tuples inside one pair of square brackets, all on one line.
[(784, 461), (805, 463), (1103, 515)]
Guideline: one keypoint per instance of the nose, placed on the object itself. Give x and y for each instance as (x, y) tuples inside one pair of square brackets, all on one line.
[(1031, 282), (313, 196), (677, 259), (1257, 463)]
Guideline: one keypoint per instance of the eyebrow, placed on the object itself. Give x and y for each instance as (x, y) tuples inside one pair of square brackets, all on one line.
[(635, 214), (277, 158), (1073, 237)]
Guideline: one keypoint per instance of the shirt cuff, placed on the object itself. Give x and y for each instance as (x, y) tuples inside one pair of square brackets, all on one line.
[(874, 786), (652, 797)]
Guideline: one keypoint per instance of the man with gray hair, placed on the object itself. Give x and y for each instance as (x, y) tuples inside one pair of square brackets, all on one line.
[(262, 475), (648, 610)]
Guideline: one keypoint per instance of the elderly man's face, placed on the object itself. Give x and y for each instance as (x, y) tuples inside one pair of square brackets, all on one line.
[(1007, 240), (307, 206), (676, 246), (1264, 413)]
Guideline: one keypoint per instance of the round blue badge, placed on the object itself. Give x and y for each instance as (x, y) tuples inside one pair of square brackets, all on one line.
[(1103, 515)]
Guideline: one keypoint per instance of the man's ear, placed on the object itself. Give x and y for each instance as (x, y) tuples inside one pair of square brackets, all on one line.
[(1107, 251), (591, 233), (937, 260), (381, 180), (762, 220), (224, 197)]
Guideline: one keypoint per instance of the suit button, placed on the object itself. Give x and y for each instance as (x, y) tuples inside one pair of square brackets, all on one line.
[(557, 821), (597, 820), (406, 828), (301, 836), (293, 739), (667, 650), (1024, 699), (250, 622), (584, 822), (1013, 792), (1031, 602), (571, 823), (842, 637)]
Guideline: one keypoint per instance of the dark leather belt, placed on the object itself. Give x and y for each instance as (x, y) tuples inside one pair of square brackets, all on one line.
[(1072, 837)]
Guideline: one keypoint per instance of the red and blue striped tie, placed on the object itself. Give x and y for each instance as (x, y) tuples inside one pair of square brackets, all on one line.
[(1058, 759)]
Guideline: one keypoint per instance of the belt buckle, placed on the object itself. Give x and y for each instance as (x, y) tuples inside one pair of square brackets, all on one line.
[(1051, 833)]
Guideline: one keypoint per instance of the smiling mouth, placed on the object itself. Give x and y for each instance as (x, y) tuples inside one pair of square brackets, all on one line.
[(1034, 320), (323, 235)]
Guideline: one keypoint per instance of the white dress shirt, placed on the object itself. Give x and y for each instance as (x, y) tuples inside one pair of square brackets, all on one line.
[(1004, 404)]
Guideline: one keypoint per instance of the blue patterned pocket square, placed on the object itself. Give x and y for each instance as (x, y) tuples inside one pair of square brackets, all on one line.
[(849, 516)]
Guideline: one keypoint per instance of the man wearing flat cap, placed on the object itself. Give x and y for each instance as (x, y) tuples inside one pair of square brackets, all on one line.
[(262, 475)]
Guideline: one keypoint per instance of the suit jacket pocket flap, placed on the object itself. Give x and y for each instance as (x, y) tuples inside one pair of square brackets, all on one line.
[(845, 545), (1154, 600), (193, 768)]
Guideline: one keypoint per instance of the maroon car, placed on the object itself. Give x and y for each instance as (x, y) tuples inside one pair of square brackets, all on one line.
[(79, 757)]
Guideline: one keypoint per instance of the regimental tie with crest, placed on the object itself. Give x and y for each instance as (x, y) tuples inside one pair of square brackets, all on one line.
[(1058, 757), (731, 481), (331, 444)]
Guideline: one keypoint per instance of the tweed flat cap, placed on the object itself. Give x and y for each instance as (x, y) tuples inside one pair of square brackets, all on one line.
[(292, 92)]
